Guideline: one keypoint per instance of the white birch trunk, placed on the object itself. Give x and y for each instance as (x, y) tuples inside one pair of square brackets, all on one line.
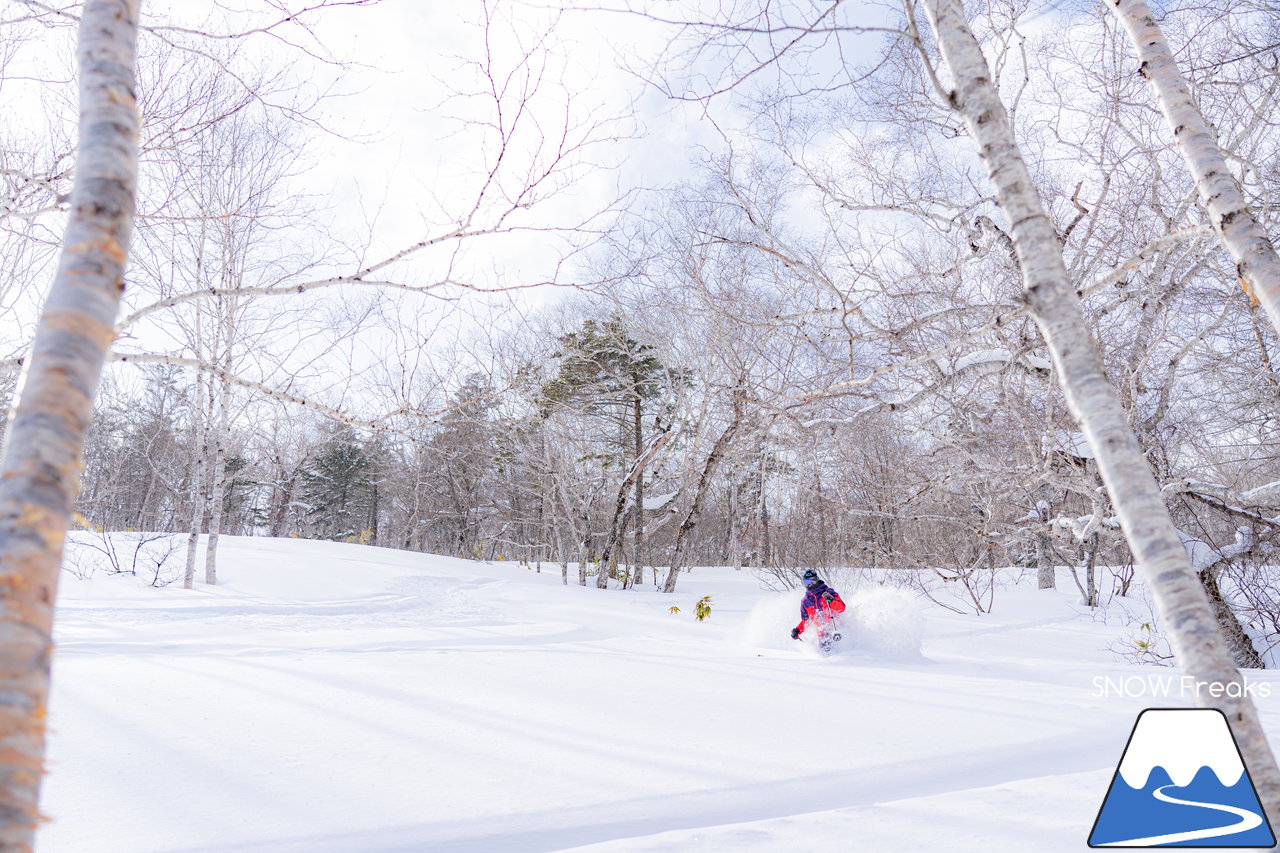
[(221, 421), (680, 551), (1046, 576), (217, 485), (1181, 600), (615, 533), (1241, 234), (202, 419), (40, 473), (200, 454), (197, 487)]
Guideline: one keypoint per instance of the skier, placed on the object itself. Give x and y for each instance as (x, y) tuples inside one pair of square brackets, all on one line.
[(819, 606)]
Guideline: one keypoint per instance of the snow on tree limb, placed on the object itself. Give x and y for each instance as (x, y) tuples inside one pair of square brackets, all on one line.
[(1263, 497), (1204, 556)]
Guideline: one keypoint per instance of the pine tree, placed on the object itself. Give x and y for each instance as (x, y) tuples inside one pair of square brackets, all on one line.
[(461, 458), (606, 373), (337, 485)]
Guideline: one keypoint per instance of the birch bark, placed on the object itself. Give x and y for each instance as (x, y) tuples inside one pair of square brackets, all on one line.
[(1046, 576), (680, 552), (201, 447), (40, 473), (201, 413), (1048, 292), (1241, 234), (615, 531), (220, 422), (217, 484)]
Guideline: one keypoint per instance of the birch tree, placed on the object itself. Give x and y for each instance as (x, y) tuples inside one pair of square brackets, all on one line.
[(704, 478), (41, 466), (1241, 233), (1051, 297)]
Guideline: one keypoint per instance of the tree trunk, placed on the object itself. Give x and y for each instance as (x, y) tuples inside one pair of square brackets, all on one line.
[(140, 514), (285, 486), (40, 474), (543, 529), (609, 554), (562, 555), (217, 483), (198, 497), (824, 559), (766, 536), (198, 464), (637, 520), (202, 420), (1240, 233), (1179, 595), (616, 525), (217, 490), (731, 544), (695, 508), (1242, 650), (1090, 572), (1045, 574)]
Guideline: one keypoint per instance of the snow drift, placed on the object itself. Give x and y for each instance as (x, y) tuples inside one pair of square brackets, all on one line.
[(885, 621)]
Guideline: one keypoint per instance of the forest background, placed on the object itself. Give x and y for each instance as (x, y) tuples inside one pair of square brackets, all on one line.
[(614, 292)]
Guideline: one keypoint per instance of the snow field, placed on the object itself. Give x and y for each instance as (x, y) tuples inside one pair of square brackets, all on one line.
[(334, 698)]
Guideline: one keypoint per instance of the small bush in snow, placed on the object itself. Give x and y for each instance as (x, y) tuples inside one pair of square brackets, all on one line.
[(149, 555), (702, 610)]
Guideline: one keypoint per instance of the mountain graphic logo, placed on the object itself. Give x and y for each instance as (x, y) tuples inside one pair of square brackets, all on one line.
[(1181, 782)]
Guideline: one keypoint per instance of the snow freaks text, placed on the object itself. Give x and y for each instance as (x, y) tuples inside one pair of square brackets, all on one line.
[(1172, 686)]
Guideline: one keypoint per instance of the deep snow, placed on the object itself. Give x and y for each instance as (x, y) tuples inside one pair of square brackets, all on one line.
[(334, 698)]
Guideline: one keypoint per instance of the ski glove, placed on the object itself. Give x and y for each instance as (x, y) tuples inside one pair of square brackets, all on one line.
[(795, 633)]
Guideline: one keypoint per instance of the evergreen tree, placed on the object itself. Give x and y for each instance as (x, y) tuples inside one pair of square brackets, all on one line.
[(337, 486), (462, 457), (606, 373)]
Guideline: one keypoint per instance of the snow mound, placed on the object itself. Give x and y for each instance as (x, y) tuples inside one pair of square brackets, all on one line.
[(885, 621), (769, 624)]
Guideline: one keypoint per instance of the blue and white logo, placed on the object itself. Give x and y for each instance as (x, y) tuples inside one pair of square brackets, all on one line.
[(1181, 783)]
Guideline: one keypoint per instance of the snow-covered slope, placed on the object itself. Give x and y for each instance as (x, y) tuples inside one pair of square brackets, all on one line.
[(331, 698)]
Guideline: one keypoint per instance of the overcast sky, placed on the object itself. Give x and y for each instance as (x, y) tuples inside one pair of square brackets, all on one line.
[(412, 147)]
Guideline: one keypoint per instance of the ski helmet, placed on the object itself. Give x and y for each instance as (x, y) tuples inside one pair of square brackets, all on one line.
[(810, 577)]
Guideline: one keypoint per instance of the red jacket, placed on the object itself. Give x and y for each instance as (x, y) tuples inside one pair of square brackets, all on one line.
[(820, 602)]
